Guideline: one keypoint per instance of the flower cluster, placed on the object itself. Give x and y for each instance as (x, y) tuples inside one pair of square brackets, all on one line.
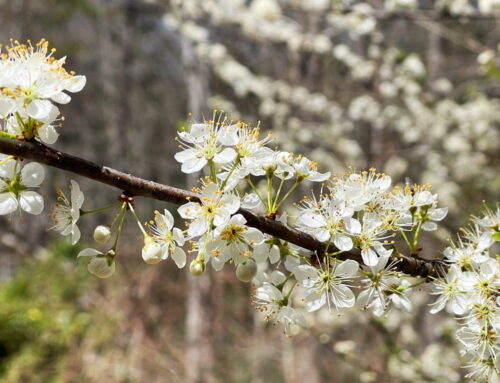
[(31, 81), (356, 211), (471, 291)]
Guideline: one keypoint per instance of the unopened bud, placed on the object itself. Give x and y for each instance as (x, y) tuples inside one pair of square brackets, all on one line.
[(197, 267), (246, 270), (102, 234), (102, 267), (152, 251)]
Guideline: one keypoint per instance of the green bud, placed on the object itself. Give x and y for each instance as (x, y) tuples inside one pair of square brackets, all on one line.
[(246, 270), (152, 251)]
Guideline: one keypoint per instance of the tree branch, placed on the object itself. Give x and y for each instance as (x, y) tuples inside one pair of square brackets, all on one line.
[(136, 186)]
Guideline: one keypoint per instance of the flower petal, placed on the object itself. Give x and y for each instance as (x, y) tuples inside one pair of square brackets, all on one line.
[(32, 174), (179, 257), (31, 202), (8, 203)]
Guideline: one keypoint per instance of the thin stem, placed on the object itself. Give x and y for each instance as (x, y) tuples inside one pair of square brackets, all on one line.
[(85, 212), (7, 135), (278, 193), (297, 182), (417, 234), (269, 192), (290, 291), (137, 219), (212, 171), (406, 239), (236, 163), (123, 212), (6, 159), (254, 188)]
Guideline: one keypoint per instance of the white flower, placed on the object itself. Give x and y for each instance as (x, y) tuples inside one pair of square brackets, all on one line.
[(100, 264), (306, 169), (234, 241), (271, 302), (369, 239), (214, 211), (66, 213), (327, 220), (34, 79), (451, 294), (377, 286), (14, 184), (202, 144), (480, 339), (165, 240), (327, 284), (358, 189)]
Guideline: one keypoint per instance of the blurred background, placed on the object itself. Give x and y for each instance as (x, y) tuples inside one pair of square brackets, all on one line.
[(411, 87)]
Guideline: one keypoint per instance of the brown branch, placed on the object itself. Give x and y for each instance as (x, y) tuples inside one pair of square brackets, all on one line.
[(135, 186)]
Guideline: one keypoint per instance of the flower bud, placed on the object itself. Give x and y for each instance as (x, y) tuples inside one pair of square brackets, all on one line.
[(197, 267), (246, 270), (102, 267), (152, 251), (102, 234)]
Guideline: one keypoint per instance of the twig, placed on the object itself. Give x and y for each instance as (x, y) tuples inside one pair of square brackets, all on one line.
[(136, 186)]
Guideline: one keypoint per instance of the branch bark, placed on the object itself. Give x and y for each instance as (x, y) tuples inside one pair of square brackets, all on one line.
[(135, 186)]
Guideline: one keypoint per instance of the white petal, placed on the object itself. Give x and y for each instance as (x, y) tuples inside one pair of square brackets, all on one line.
[(189, 210), (179, 257), (193, 165), (89, 252), (48, 134), (178, 236), (32, 174), (39, 109), (319, 177), (186, 155), (314, 301), (8, 203), (75, 234), (439, 214), (61, 98), (305, 273), (254, 236), (343, 242), (7, 106), (198, 227), (311, 219), (369, 257), (77, 196), (76, 84), (227, 155), (7, 170), (274, 254), (344, 297), (348, 267), (429, 226), (31, 202), (352, 225)]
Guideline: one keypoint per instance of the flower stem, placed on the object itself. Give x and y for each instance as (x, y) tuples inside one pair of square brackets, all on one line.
[(7, 135), (416, 235), (274, 207), (406, 239), (212, 171), (236, 163), (123, 212), (254, 188), (137, 219), (6, 159), (85, 212), (269, 193), (297, 182)]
